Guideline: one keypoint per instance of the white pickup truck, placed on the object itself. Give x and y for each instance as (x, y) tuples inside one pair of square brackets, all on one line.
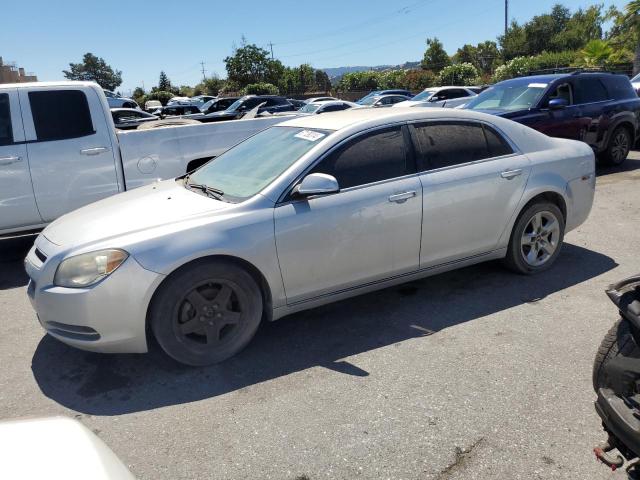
[(59, 150)]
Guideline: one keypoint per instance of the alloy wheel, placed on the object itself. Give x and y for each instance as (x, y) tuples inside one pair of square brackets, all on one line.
[(540, 238), (209, 315), (620, 147)]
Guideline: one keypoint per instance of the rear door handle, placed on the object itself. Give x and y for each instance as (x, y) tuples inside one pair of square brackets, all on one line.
[(402, 197), (509, 174), (94, 151), (9, 160)]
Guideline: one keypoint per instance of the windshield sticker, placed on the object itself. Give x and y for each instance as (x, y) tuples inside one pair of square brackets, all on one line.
[(309, 135), (537, 85)]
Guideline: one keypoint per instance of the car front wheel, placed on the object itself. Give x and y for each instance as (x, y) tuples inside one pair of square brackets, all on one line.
[(206, 313), (536, 239)]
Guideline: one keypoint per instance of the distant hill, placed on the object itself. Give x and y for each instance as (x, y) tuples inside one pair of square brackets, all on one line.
[(335, 73)]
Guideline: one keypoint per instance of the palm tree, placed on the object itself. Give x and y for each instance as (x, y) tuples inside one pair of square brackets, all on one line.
[(632, 21), (596, 53)]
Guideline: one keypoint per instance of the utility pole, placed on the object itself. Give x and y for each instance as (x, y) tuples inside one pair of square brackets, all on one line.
[(203, 75), (271, 46), (506, 16)]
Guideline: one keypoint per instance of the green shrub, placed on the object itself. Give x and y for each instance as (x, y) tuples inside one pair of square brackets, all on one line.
[(459, 74), (160, 95), (261, 88)]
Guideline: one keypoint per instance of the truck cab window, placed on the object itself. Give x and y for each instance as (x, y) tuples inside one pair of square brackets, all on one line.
[(6, 131), (60, 114)]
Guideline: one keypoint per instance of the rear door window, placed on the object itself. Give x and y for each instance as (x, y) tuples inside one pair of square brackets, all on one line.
[(445, 144), (60, 114), (6, 131)]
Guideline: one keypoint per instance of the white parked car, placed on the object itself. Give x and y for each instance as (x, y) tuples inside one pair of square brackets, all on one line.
[(321, 99), (179, 101), (56, 448), (116, 101), (378, 101), (151, 106), (310, 211), (59, 151), (445, 97), (315, 108)]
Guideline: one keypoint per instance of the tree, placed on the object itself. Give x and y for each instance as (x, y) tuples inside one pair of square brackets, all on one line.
[(596, 53), (435, 58), (164, 84), (209, 86), (631, 20), (322, 81), (94, 69), (251, 64)]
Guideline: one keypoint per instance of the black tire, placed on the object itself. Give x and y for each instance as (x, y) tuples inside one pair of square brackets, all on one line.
[(515, 258), (206, 313), (618, 147), (618, 340)]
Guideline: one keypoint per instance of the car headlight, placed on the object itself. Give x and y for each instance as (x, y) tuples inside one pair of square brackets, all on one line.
[(88, 268)]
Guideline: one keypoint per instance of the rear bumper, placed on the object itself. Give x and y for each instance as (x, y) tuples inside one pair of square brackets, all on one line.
[(619, 418)]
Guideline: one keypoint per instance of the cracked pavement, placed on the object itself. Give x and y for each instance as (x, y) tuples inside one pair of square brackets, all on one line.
[(476, 373)]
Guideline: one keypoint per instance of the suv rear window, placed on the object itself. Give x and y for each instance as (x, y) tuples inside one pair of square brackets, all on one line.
[(590, 90), (620, 87), (60, 114)]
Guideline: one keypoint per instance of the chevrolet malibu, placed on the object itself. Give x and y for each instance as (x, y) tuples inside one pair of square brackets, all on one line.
[(307, 212)]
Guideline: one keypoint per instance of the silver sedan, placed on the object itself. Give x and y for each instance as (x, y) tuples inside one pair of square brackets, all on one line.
[(307, 212)]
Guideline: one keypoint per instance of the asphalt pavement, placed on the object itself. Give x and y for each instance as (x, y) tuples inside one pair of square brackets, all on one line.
[(477, 373)]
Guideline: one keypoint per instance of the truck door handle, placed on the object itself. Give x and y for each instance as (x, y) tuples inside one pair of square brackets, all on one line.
[(9, 160), (509, 174), (402, 197), (94, 151)]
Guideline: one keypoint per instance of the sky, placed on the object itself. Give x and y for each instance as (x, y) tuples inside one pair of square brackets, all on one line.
[(142, 37)]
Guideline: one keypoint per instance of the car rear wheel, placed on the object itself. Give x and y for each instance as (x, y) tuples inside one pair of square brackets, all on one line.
[(618, 147), (536, 239), (206, 313)]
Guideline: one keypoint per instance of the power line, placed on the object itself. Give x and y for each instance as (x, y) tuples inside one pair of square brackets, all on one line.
[(271, 47), (506, 16)]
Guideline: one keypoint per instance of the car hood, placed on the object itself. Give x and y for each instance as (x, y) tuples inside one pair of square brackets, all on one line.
[(154, 205)]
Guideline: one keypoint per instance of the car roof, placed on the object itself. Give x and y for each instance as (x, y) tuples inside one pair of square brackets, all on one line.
[(371, 117)]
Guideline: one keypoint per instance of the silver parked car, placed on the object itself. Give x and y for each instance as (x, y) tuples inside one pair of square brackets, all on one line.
[(445, 97), (310, 211)]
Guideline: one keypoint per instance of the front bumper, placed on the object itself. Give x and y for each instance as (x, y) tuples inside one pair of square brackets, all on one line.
[(109, 317)]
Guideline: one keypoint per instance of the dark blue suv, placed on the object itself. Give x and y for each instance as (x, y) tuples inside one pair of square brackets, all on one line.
[(601, 109)]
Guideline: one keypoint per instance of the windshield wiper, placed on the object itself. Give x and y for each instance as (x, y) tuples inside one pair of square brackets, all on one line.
[(211, 191)]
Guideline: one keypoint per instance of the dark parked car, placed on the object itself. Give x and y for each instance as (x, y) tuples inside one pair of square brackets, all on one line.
[(272, 104), (601, 109), (377, 93), (217, 104), (130, 118), (616, 379), (177, 110)]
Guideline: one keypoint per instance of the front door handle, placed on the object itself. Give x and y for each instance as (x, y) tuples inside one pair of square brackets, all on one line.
[(402, 197), (509, 174), (94, 151), (9, 160)]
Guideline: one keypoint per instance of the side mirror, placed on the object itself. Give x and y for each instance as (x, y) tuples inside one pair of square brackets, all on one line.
[(558, 103), (316, 184)]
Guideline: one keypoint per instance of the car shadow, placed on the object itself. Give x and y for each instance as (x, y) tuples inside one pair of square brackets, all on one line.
[(629, 165), (12, 253), (116, 384)]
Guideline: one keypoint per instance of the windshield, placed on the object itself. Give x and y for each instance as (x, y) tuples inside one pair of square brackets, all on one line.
[(369, 95), (511, 95), (309, 108), (235, 105), (250, 166), (368, 100), (424, 95)]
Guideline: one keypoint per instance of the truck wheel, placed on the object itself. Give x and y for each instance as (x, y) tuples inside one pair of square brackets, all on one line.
[(206, 313), (536, 239), (618, 147), (619, 339)]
